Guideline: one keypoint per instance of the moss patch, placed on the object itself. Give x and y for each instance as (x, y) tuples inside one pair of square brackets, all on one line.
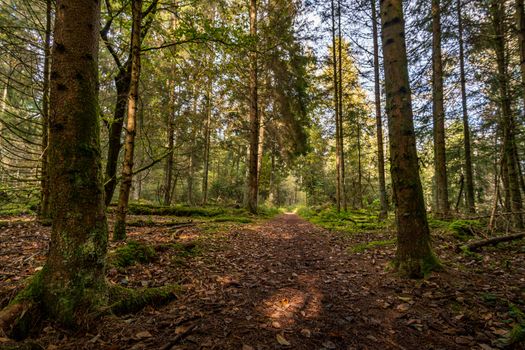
[(361, 247), (125, 300), (131, 253)]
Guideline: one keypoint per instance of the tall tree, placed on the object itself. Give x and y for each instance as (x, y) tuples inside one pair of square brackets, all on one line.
[(119, 232), (438, 113), (338, 160), (73, 278), (253, 181), (497, 13), (379, 122), (122, 85), (469, 186), (340, 107), (44, 181), (414, 255)]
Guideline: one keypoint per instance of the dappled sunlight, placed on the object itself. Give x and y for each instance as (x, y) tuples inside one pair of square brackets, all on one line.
[(287, 305)]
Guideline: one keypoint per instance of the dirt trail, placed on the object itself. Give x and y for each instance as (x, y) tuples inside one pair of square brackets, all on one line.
[(289, 284)]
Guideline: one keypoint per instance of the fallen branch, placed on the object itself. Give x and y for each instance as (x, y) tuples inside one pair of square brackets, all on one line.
[(491, 241)]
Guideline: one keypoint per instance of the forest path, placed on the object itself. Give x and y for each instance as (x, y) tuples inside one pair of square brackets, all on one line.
[(287, 283)]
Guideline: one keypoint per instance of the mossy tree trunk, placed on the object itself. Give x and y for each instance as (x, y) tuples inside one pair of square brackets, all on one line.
[(72, 279), (119, 232), (379, 122), (438, 113), (414, 256), (253, 176)]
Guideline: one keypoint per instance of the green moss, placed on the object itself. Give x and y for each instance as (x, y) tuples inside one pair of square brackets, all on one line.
[(32, 291), (125, 300), (361, 247), (418, 268), (464, 229), (119, 231), (132, 253), (345, 221)]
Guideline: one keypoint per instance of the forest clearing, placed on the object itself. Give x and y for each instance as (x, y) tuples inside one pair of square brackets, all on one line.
[(262, 174)]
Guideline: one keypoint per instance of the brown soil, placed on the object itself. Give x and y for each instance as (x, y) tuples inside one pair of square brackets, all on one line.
[(286, 283)]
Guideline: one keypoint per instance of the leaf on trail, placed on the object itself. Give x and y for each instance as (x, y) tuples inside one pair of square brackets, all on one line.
[(282, 340), (247, 347), (405, 299), (182, 329), (143, 334), (329, 345), (403, 307), (500, 332), (4, 340), (276, 324), (306, 332)]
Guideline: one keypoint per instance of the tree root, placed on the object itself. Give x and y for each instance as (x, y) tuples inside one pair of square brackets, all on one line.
[(125, 300)]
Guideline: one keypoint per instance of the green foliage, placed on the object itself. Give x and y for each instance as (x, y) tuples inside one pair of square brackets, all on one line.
[(179, 210), (361, 247), (132, 253)]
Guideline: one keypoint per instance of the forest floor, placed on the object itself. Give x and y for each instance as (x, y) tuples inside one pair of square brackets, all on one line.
[(287, 283)]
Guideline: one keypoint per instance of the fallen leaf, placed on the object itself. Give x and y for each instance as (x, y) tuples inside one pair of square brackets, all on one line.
[(306, 332), (329, 345), (403, 307), (247, 347), (143, 334), (282, 340)]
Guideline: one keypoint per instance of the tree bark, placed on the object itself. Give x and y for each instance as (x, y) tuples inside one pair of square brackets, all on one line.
[(207, 144), (338, 189), (438, 113), (253, 176), (497, 10), (119, 231), (122, 84), (44, 181), (340, 103), (73, 278), (383, 213), (168, 170), (469, 185), (414, 255)]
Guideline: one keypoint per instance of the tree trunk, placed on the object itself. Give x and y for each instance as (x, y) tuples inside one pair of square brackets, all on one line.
[(469, 186), (73, 278), (119, 232), (340, 102), (168, 170), (520, 19), (122, 84), (44, 181), (253, 176), (438, 112), (207, 144), (338, 189), (414, 255), (383, 213), (498, 11)]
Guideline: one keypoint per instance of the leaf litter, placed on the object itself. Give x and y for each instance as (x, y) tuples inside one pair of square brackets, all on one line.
[(286, 283)]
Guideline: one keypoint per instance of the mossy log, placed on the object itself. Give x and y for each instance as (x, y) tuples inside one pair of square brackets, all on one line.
[(490, 241)]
